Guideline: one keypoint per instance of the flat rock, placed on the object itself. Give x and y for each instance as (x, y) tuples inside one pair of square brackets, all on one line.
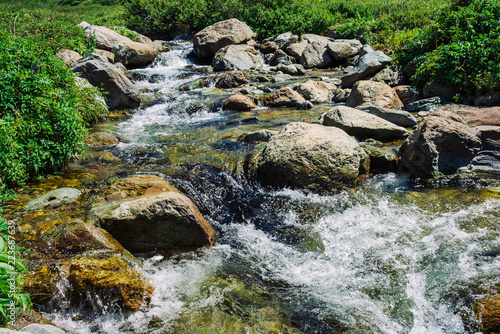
[(362, 124), (398, 117), (53, 199), (137, 185), (304, 155), (213, 38), (373, 93)]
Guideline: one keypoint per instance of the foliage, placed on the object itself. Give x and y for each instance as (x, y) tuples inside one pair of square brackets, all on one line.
[(460, 50)]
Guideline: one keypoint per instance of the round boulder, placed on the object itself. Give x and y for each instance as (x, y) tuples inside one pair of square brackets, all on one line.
[(239, 102), (304, 155), (373, 93)]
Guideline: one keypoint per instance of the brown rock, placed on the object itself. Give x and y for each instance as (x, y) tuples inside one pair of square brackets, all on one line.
[(239, 102), (484, 116), (284, 97), (106, 54), (137, 185), (232, 79), (69, 57), (268, 47), (40, 284), (488, 313), (296, 49), (134, 54), (441, 145), (213, 38), (373, 93), (408, 94), (109, 278), (161, 222)]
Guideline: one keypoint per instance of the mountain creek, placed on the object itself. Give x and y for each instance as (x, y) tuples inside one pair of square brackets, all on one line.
[(384, 254)]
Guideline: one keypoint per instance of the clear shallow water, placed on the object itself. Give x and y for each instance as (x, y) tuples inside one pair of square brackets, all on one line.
[(386, 257)]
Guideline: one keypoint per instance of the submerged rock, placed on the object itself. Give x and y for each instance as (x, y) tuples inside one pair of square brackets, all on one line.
[(53, 199), (306, 155), (101, 139), (373, 93), (362, 124), (257, 136), (213, 38)]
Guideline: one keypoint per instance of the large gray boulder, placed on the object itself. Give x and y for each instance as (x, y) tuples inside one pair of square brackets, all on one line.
[(236, 57), (362, 124), (368, 65), (134, 54), (213, 38), (443, 143), (165, 221), (122, 94), (343, 49), (373, 93), (106, 38), (304, 155), (398, 117), (316, 55)]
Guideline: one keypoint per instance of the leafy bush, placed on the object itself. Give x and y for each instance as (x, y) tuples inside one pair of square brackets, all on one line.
[(460, 50)]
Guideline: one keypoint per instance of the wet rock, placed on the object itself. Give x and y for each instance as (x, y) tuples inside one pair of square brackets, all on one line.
[(69, 57), (280, 57), (257, 136), (306, 155), (316, 91), (296, 49), (443, 143), (108, 55), (156, 78), (391, 76), (292, 69), (341, 95), (40, 284), (268, 47), (382, 159), (236, 57), (362, 124), (368, 64), (398, 117), (486, 163), (247, 120), (282, 78), (239, 102), (284, 97), (488, 313), (304, 105), (105, 38), (160, 46), (316, 55), (134, 54), (137, 185), (122, 94), (75, 236), (213, 38), (101, 139), (53, 199), (373, 93), (28, 317), (108, 279), (160, 222), (341, 50), (408, 94), (264, 88)]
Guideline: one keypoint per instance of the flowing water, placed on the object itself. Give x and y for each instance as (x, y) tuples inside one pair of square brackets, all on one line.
[(389, 256)]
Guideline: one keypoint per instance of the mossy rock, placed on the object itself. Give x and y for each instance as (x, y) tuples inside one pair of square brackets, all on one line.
[(137, 185), (40, 284), (488, 313), (109, 279)]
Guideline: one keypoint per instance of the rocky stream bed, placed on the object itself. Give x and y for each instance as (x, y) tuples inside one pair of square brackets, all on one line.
[(318, 194)]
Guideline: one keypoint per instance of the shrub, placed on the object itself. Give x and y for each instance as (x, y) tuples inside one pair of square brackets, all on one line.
[(460, 50)]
